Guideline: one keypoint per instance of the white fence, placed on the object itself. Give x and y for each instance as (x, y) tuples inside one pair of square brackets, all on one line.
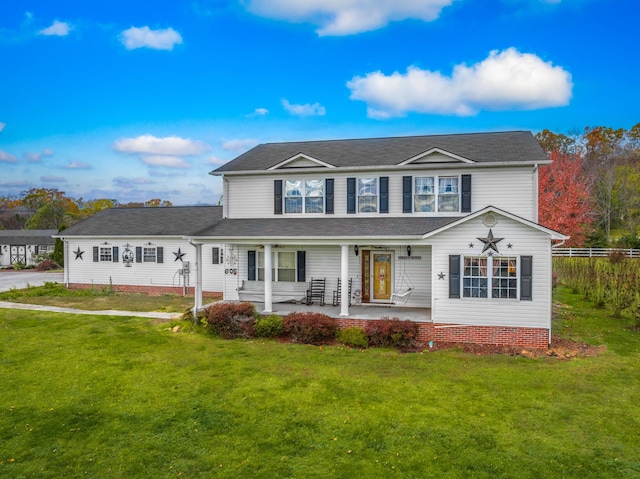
[(595, 252)]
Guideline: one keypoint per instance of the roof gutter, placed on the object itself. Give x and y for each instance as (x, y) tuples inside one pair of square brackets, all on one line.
[(348, 169)]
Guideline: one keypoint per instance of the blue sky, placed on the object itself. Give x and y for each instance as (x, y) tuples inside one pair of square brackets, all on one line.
[(137, 100)]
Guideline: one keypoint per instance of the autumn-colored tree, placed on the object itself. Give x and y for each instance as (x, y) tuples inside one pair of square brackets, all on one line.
[(563, 201), (157, 202), (13, 214), (51, 208)]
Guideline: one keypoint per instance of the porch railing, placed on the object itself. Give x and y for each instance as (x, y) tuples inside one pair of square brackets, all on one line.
[(595, 252)]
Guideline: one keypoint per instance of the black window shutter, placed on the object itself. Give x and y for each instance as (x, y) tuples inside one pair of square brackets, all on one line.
[(406, 194), (526, 278), (252, 265), (215, 255), (277, 197), (115, 254), (351, 195), (328, 207), (160, 254), (384, 194), (302, 266), (96, 254), (466, 194), (138, 254), (35, 249), (454, 276)]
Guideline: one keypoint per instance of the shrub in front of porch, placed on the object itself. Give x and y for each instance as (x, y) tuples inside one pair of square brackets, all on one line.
[(310, 328), (354, 337), (392, 333), (268, 326), (232, 320)]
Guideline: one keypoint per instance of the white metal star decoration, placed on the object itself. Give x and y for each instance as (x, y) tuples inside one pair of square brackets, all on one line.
[(490, 242)]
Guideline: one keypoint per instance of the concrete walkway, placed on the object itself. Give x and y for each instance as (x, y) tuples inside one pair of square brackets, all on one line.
[(110, 312)]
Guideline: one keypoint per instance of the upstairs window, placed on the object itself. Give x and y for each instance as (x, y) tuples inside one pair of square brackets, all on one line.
[(367, 195), (448, 195), (304, 196), (436, 194)]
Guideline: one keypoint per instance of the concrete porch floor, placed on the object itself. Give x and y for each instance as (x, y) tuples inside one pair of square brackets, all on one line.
[(363, 311)]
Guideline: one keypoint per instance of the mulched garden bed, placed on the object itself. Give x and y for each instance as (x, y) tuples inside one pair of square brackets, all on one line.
[(560, 349)]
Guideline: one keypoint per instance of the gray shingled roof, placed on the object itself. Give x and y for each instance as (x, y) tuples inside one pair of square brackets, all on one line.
[(26, 237), (164, 221), (510, 146), (323, 227)]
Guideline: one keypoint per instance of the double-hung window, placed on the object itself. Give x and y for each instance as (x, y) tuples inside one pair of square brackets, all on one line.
[(283, 266), (106, 254), (367, 195), (149, 255), (490, 277), (304, 196), (436, 194)]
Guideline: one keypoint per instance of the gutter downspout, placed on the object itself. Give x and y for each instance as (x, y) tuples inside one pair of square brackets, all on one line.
[(197, 297)]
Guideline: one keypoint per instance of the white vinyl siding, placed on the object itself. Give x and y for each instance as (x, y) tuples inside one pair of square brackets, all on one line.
[(524, 241), (103, 273), (509, 188)]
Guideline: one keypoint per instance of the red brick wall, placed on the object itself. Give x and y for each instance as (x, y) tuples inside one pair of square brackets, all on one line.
[(151, 290), (537, 338)]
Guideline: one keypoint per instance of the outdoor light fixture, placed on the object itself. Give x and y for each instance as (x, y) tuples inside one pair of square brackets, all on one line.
[(408, 250), (355, 250)]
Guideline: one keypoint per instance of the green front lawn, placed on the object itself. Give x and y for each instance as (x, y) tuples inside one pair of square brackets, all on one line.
[(89, 396), (97, 299)]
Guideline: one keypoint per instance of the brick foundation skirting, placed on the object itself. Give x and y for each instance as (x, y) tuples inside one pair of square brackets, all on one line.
[(537, 338), (151, 290)]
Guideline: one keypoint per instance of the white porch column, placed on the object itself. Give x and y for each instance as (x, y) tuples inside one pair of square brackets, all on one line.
[(198, 291), (344, 280), (268, 300)]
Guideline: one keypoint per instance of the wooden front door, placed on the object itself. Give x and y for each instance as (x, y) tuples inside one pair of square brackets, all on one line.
[(377, 276)]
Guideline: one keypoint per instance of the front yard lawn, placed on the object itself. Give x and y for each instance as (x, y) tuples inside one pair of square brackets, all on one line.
[(111, 397)]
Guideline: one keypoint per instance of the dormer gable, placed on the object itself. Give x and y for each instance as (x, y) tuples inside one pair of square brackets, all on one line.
[(300, 160), (435, 156)]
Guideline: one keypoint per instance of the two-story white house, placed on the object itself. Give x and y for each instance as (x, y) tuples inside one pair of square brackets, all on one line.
[(447, 223), (443, 225)]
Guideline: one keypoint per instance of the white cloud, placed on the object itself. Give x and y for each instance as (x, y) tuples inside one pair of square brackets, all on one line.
[(58, 29), (129, 182), (239, 145), (304, 110), (507, 80), (165, 161), (259, 112), (2, 125), (214, 160), (6, 157), (144, 37), (151, 145), (78, 165), (37, 157), (53, 179), (346, 17)]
